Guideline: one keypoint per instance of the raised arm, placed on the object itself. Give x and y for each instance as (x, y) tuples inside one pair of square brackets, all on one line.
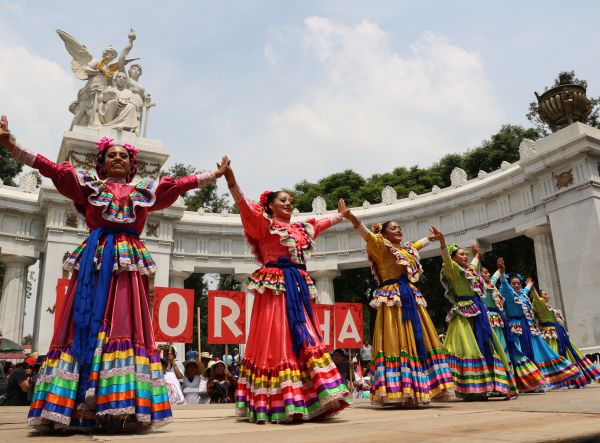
[(528, 285), (169, 189), (251, 213), (64, 177), (476, 253), (450, 267), (374, 241)]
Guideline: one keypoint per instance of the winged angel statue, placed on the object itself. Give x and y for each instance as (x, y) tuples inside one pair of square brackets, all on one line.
[(109, 97)]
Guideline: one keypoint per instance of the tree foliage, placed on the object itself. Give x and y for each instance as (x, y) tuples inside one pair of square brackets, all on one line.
[(9, 168), (504, 145)]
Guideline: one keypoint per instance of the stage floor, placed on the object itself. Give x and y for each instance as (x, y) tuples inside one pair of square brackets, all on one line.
[(566, 415)]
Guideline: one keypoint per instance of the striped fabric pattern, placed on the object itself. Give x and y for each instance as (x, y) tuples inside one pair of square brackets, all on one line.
[(472, 376), (403, 379), (276, 395), (126, 378)]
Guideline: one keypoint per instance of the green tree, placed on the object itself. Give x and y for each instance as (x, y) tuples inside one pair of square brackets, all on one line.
[(9, 168)]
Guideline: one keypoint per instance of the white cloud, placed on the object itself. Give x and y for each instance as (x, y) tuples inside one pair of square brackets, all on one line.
[(374, 108), (35, 96)]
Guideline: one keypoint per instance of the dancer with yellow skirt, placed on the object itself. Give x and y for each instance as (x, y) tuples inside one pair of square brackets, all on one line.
[(409, 366)]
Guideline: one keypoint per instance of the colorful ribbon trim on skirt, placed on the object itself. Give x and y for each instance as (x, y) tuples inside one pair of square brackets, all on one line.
[(526, 343), (409, 311), (508, 337), (481, 328), (91, 296), (297, 299), (564, 342)]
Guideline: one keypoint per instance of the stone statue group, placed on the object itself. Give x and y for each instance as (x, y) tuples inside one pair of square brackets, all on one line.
[(112, 96)]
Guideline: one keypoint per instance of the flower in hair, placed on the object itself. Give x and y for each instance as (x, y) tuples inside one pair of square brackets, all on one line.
[(131, 149), (376, 228), (452, 248), (264, 197), (104, 143)]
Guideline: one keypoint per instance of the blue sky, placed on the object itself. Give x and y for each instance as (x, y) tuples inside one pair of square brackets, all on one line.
[(298, 90)]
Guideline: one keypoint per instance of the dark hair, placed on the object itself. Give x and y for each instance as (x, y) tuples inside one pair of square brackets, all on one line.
[(163, 362), (385, 225), (101, 169), (170, 348), (517, 277), (270, 199)]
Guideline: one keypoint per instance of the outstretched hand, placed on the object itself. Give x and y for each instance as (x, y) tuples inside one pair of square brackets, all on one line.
[(343, 209), (223, 166), (475, 251), (434, 234), (500, 265), (529, 281), (5, 139)]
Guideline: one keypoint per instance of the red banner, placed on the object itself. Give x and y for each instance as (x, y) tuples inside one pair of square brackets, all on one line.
[(348, 325), (173, 315), (325, 321), (61, 298), (226, 317)]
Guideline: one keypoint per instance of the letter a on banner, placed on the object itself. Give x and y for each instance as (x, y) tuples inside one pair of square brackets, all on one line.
[(226, 317), (325, 320), (173, 315), (348, 325)]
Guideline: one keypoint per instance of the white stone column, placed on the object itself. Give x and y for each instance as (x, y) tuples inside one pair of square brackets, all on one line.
[(12, 306), (176, 279), (324, 282), (242, 278), (545, 261), (576, 236)]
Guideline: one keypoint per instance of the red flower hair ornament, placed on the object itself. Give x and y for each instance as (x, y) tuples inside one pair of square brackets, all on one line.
[(264, 197)]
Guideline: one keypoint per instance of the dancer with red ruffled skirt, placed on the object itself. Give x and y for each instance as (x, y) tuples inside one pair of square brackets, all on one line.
[(103, 368), (285, 375)]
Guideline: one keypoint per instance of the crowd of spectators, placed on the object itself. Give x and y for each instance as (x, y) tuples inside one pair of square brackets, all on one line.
[(201, 378)]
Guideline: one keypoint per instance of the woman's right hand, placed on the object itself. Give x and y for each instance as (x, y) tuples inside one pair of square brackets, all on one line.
[(6, 141), (500, 265)]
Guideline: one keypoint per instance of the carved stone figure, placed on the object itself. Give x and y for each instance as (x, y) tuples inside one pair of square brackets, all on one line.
[(527, 149), (389, 195), (116, 108), (319, 206), (98, 74), (458, 177)]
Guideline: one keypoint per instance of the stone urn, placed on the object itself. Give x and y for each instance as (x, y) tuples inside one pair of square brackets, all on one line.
[(564, 104)]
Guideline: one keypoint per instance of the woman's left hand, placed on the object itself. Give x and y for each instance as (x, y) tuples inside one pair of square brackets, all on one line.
[(222, 167)]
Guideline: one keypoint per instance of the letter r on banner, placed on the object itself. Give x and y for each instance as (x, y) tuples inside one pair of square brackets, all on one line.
[(226, 317)]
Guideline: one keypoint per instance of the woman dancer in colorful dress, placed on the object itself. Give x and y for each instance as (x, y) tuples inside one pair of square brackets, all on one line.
[(285, 374), (551, 324), (557, 370), (528, 376), (103, 366), (476, 357), (409, 365)]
